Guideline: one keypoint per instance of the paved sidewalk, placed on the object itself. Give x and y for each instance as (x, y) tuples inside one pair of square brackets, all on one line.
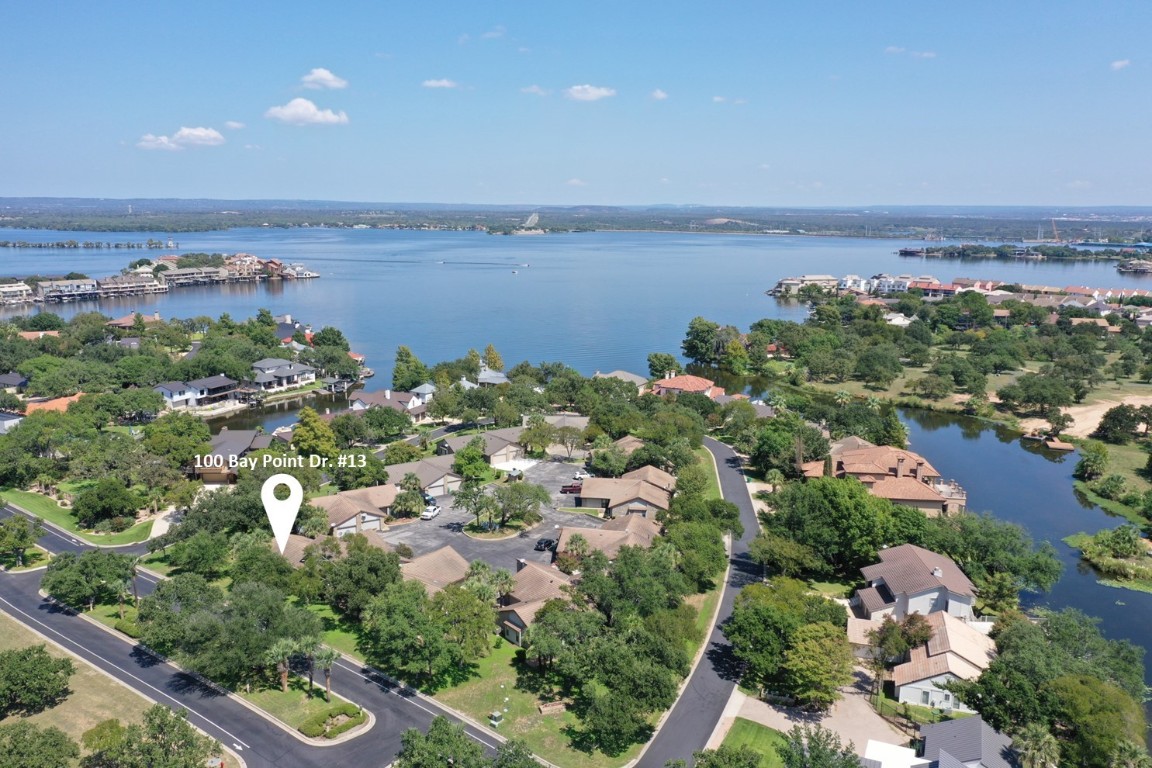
[(852, 718)]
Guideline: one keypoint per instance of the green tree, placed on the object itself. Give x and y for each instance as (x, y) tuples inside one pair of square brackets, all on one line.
[(24, 745), (467, 620), (179, 437), (84, 580), (1097, 716), (470, 462), (401, 452), (410, 500), (521, 502), (204, 552), (702, 553), (1036, 747), (816, 747), (818, 663), (445, 744), (387, 423), (492, 358), (538, 434), (330, 337), (107, 500), (407, 370), (515, 753), (352, 581), (31, 680), (325, 658), (18, 533), (660, 364), (164, 740), (404, 636), (279, 655), (725, 756), (1093, 462), (361, 470), (313, 437), (701, 341)]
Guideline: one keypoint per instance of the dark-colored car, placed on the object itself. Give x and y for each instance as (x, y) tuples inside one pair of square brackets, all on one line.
[(572, 488), (545, 545)]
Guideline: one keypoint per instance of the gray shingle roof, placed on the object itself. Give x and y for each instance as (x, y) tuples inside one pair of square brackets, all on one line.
[(909, 569), (966, 741)]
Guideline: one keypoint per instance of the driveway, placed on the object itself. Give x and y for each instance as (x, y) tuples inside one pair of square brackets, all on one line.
[(425, 536)]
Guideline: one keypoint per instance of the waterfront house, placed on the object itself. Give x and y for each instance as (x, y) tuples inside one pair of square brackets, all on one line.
[(490, 378), (177, 394), (131, 284), (194, 276), (426, 391), (436, 570), (500, 445), (214, 390), (15, 293), (435, 474), (956, 651), (642, 491), (903, 477), (81, 289), (790, 286), (273, 374), (624, 531), (968, 742), (410, 403), (685, 384), (533, 586), (635, 379), (911, 579), (225, 448), (128, 322)]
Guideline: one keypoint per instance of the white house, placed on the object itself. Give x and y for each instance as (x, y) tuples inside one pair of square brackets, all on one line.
[(273, 373), (177, 395), (956, 651), (910, 579), (855, 283)]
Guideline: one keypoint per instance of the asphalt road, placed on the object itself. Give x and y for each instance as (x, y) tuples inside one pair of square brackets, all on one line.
[(260, 743), (696, 713)]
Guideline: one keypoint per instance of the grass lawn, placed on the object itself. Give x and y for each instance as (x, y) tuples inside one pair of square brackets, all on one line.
[(47, 508), (158, 562), (832, 589), (889, 707), (759, 738), (705, 605), (496, 680), (338, 633), (295, 706), (34, 557), (713, 491), (94, 697), (510, 531)]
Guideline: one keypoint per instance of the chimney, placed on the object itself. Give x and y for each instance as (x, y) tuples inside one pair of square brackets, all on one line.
[(937, 572), (900, 467), (919, 471), (387, 394)]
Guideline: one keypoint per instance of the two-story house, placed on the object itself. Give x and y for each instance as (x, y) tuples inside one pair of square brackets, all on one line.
[(911, 579)]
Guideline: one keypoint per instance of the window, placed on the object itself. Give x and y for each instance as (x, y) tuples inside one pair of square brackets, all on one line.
[(925, 698)]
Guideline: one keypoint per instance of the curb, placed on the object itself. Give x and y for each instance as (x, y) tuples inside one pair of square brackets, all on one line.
[(240, 760), (224, 691), (67, 533)]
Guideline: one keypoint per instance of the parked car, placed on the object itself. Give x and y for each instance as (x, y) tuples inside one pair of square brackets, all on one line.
[(430, 512), (429, 499), (580, 475), (572, 488), (545, 545)]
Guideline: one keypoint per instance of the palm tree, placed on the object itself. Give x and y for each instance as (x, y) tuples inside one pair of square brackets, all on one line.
[(307, 648), (1037, 747), (280, 654), (774, 478), (1129, 754), (325, 658), (842, 397), (873, 403), (503, 582)]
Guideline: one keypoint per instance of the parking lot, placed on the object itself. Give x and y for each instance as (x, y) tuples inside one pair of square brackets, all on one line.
[(447, 528)]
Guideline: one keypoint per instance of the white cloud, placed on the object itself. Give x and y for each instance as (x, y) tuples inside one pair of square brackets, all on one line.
[(233, 125), (322, 78), (441, 83), (303, 112), (589, 92), (764, 167), (185, 137), (150, 141), (922, 54), (659, 95), (535, 90), (576, 183), (1120, 64), (495, 32), (893, 50), (718, 99)]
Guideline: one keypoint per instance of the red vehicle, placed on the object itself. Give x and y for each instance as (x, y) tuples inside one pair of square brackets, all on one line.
[(572, 488)]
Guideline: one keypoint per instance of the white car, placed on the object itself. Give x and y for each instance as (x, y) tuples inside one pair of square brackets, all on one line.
[(430, 512), (580, 475)]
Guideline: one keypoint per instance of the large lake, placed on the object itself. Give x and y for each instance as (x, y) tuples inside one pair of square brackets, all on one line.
[(604, 301)]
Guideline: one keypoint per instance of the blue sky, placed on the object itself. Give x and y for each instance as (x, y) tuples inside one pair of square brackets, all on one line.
[(733, 103)]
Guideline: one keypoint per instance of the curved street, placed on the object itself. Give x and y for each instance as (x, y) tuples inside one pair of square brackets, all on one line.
[(262, 744)]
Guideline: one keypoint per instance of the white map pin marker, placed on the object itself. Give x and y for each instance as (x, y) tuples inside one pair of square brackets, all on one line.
[(282, 514)]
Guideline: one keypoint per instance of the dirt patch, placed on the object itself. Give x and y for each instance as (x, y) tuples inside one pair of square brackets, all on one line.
[(1086, 417)]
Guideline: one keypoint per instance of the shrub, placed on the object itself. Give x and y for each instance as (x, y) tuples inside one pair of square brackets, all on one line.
[(316, 727), (128, 627)]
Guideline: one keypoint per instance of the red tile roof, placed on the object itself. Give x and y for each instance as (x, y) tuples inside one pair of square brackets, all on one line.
[(58, 405)]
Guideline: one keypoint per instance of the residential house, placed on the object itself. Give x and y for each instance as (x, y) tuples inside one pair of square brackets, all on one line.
[(968, 742), (685, 384), (214, 390), (426, 391), (177, 395), (956, 651), (410, 403), (435, 474), (225, 448), (131, 284), (37, 335), (911, 579), (128, 322), (790, 286), (643, 491), (763, 411), (15, 293), (490, 378), (331, 548), (273, 374), (625, 531), (564, 420), (635, 379), (534, 585), (9, 421), (901, 476), (501, 446), (629, 444), (357, 511), (13, 382), (194, 276), (82, 289), (58, 404), (436, 570), (881, 754), (854, 284)]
